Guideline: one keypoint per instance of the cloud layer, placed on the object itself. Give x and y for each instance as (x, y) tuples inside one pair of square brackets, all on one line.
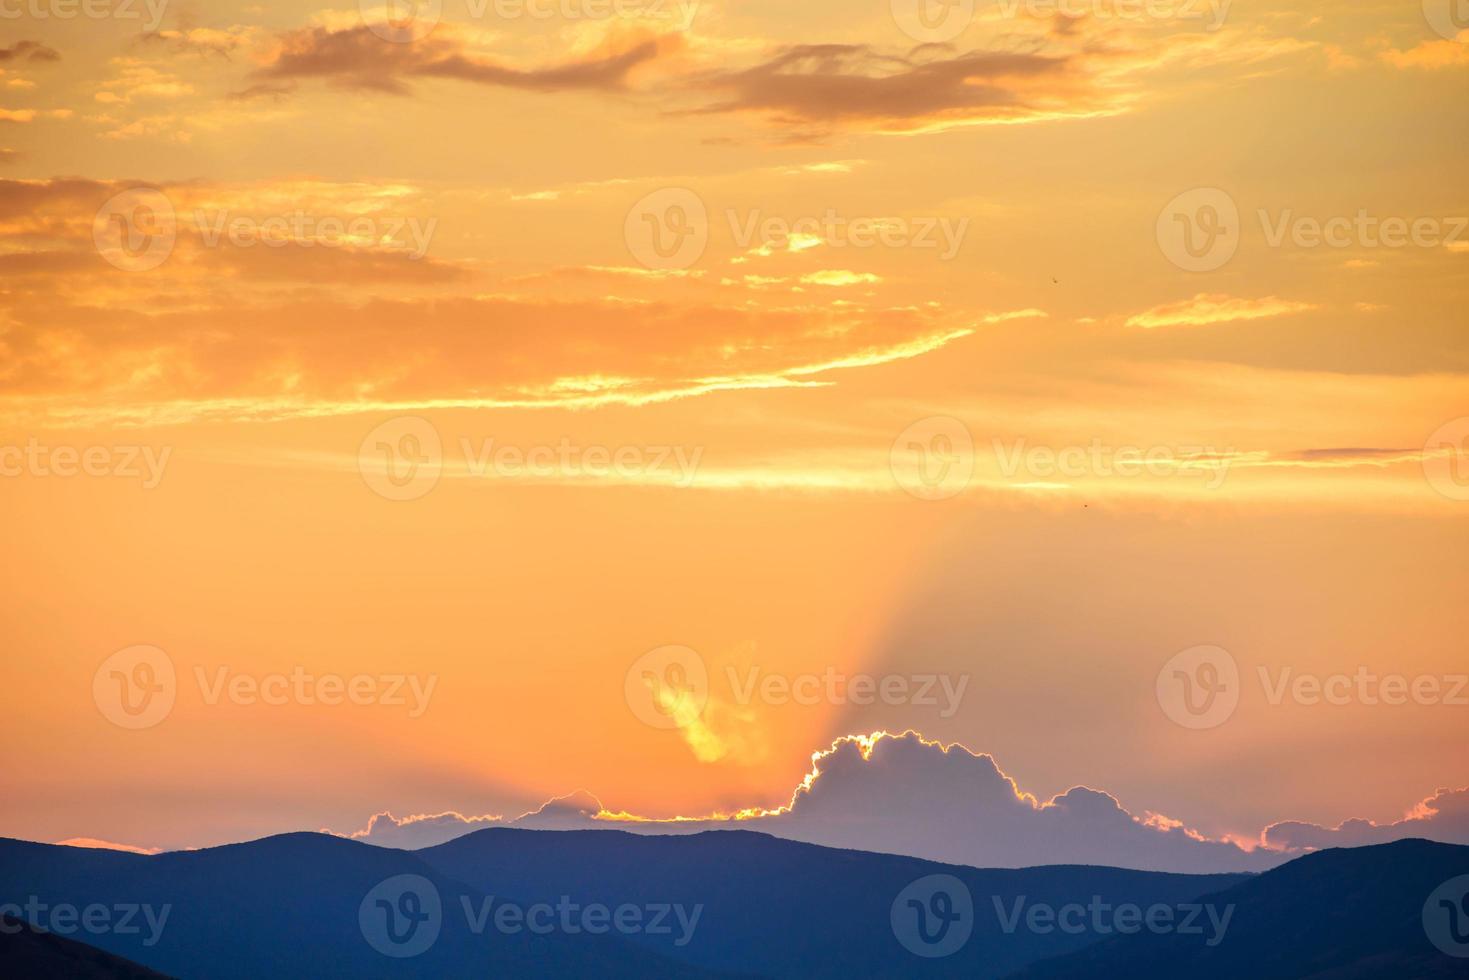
[(901, 794)]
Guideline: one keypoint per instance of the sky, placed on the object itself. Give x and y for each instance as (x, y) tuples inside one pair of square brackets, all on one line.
[(449, 407)]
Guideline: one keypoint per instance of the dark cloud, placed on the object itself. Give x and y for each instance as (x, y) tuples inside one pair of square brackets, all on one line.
[(1442, 817), (835, 84), (358, 58), (29, 51)]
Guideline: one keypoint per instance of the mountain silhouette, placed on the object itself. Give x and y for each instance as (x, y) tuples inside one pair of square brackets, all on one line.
[(1342, 914), (26, 952), (733, 904), (288, 906), (780, 908)]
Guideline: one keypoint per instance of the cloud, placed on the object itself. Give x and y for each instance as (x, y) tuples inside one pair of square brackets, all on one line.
[(826, 86), (572, 812), (103, 845), (355, 57), (1443, 817), (1430, 55), (32, 51), (270, 352), (199, 40), (31, 115), (138, 80), (1210, 308), (425, 830), (903, 794)]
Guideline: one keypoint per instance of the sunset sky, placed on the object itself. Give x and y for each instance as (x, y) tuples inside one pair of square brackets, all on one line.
[(822, 337)]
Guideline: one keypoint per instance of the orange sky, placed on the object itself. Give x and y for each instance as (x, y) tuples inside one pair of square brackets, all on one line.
[(1175, 302)]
